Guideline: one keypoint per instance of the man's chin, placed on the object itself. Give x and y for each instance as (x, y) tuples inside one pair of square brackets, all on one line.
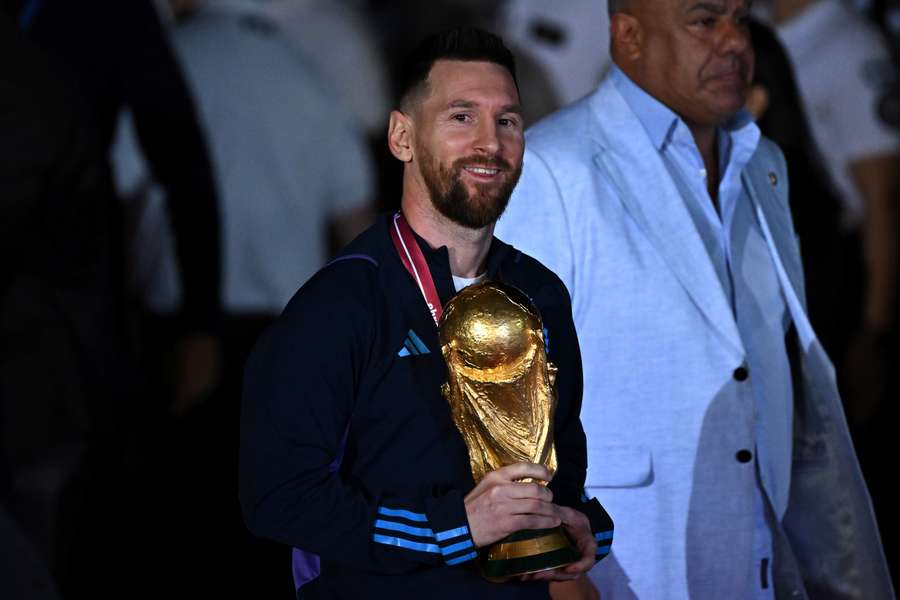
[(729, 99), (723, 109), (479, 213), (481, 188)]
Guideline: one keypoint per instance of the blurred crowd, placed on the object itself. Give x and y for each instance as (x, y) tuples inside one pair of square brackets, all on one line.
[(172, 171)]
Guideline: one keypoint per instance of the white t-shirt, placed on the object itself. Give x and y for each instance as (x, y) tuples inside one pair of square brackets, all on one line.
[(836, 57), (338, 40), (462, 282)]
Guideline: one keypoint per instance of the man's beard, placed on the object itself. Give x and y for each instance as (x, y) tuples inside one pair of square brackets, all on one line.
[(451, 198)]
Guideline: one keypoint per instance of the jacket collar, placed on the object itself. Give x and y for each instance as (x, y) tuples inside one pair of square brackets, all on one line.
[(438, 260)]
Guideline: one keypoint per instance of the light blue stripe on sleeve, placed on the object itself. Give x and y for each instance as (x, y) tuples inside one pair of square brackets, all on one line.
[(381, 524), (603, 549), (604, 535), (462, 559), (396, 512), (451, 533), (393, 541), (456, 547)]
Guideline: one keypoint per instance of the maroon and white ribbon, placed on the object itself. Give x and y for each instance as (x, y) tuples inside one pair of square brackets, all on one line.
[(412, 258)]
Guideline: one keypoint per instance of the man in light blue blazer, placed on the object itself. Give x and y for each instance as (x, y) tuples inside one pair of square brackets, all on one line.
[(716, 437)]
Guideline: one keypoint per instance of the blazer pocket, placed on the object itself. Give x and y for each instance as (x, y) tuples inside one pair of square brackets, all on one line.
[(619, 466)]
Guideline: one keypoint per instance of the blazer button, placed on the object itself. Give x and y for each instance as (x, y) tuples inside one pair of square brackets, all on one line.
[(741, 373), (773, 178), (744, 456)]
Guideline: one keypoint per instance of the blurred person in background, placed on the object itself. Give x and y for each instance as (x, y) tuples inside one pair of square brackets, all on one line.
[(774, 101), (570, 40), (121, 58), (339, 39), (70, 384), (835, 54), (833, 49), (291, 164), (55, 322), (356, 69)]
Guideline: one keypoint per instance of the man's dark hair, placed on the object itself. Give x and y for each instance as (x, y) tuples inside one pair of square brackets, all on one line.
[(615, 6), (460, 43)]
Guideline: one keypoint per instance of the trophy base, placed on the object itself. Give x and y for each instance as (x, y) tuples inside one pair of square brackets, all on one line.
[(528, 551)]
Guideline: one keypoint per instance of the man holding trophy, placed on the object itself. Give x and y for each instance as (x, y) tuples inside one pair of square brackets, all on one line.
[(407, 439)]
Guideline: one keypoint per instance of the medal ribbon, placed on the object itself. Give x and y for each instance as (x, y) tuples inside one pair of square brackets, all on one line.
[(412, 258)]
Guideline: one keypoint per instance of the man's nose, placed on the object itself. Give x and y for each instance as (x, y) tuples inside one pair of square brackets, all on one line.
[(735, 37), (487, 139)]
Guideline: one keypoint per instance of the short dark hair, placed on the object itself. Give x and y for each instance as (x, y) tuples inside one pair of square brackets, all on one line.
[(460, 43), (616, 6)]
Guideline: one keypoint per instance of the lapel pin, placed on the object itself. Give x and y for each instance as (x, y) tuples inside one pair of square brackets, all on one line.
[(773, 178)]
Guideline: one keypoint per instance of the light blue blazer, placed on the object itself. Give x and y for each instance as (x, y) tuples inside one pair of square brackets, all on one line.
[(660, 346)]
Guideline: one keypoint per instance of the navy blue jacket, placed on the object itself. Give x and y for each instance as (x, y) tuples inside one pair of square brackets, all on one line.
[(354, 364)]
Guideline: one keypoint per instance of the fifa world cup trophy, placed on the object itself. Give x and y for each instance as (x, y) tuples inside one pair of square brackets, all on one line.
[(501, 390)]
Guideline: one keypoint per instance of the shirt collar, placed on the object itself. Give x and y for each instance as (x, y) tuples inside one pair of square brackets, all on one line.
[(738, 140), (660, 121)]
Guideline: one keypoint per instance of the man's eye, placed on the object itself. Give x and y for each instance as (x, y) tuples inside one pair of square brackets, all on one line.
[(506, 122), (461, 117)]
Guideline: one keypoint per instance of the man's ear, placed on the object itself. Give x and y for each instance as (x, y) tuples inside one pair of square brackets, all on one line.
[(400, 136), (627, 36)]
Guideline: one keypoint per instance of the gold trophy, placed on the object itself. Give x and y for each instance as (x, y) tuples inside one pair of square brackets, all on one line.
[(502, 396)]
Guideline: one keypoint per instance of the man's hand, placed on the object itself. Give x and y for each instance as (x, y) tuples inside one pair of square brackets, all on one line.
[(579, 529), (577, 589), (500, 504)]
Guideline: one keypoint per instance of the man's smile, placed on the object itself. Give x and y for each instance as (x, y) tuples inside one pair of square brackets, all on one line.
[(480, 172)]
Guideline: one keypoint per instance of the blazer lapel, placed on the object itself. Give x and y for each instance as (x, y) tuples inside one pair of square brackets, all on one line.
[(778, 235), (654, 202), (756, 181)]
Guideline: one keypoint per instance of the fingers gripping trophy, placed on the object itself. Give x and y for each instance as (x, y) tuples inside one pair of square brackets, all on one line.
[(501, 391)]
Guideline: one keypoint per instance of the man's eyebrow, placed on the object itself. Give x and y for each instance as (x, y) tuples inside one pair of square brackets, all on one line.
[(462, 104), (713, 7), (508, 108)]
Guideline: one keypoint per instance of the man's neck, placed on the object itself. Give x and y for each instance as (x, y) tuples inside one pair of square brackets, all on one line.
[(706, 139), (468, 248)]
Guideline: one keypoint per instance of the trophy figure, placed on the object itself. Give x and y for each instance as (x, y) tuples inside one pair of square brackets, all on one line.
[(501, 391)]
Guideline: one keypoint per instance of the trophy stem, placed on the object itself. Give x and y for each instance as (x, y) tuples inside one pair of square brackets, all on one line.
[(528, 551)]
